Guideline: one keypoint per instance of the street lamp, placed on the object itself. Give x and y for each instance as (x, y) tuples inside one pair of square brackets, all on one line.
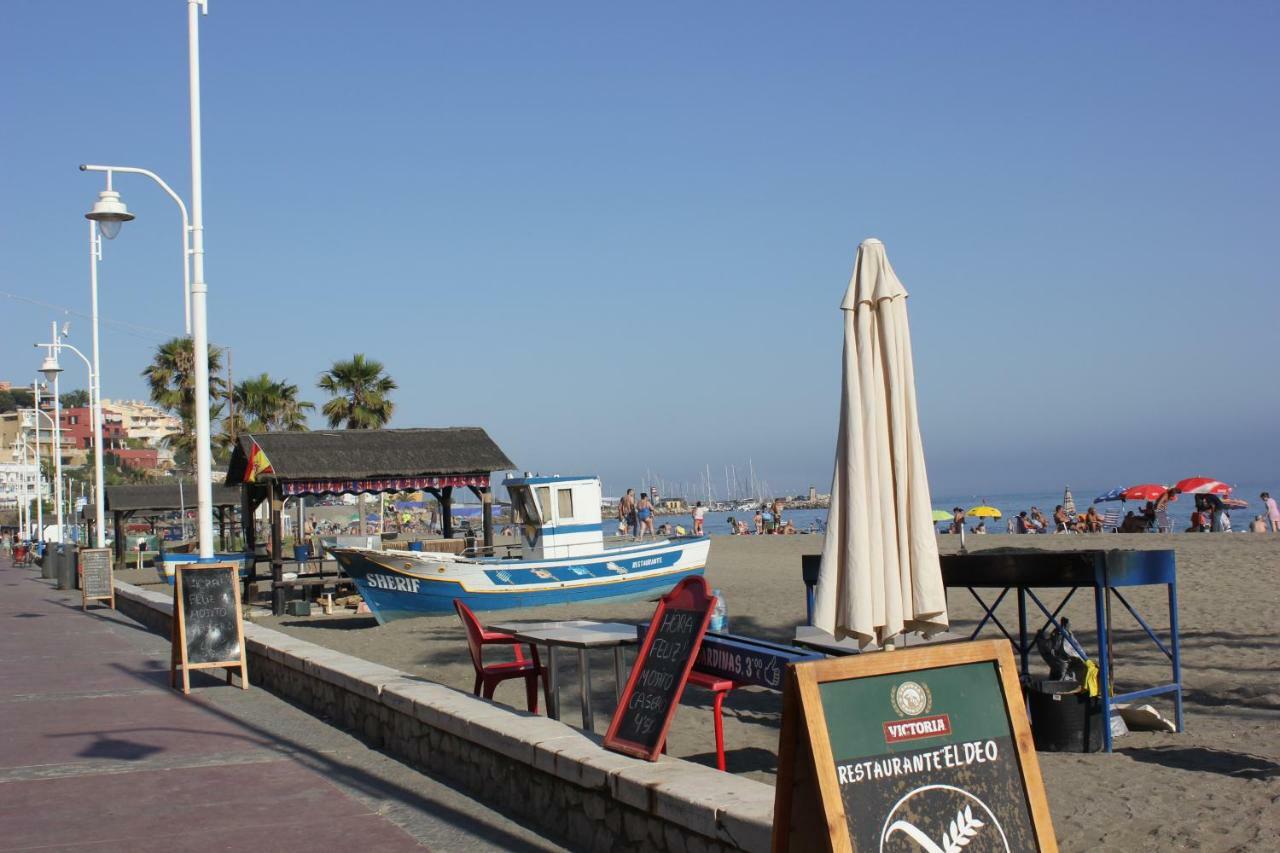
[(50, 368), (110, 212)]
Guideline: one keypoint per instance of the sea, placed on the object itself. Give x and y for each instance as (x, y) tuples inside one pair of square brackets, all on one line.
[(1009, 504)]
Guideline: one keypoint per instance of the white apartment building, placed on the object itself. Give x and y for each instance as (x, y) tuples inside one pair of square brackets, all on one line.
[(142, 420), (18, 481)]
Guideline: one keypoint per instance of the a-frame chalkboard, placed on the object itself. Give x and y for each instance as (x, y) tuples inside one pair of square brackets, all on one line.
[(918, 749), (96, 581), (207, 629), (649, 700)]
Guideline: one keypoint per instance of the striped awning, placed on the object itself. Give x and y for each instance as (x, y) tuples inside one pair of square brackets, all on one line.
[(382, 484)]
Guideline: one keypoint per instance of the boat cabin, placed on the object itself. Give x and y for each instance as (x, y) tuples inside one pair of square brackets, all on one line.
[(556, 516)]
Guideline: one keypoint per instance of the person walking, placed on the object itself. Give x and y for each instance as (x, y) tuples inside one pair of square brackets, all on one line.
[(759, 521), (644, 514), (699, 513), (627, 512), (1273, 512)]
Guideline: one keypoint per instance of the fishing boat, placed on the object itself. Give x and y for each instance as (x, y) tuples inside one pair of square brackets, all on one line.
[(563, 557)]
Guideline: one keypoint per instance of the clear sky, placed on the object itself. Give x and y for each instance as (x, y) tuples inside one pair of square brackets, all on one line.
[(617, 236)]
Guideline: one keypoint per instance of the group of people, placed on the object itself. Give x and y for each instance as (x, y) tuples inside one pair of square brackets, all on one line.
[(635, 517), (768, 520)]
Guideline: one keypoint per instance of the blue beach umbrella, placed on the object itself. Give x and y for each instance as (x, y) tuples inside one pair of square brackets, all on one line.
[(1116, 494)]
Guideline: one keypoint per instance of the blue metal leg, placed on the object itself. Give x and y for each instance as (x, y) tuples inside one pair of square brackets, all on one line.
[(1177, 652), (1104, 663)]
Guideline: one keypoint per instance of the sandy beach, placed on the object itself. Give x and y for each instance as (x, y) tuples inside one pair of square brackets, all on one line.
[(1214, 787)]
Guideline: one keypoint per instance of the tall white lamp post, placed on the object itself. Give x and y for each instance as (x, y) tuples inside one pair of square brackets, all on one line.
[(51, 368), (35, 418), (110, 212)]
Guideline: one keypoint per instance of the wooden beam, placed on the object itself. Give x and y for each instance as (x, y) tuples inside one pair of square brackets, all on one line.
[(486, 498), (446, 510)]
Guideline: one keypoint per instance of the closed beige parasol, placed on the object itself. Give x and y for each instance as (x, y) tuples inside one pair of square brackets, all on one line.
[(880, 573)]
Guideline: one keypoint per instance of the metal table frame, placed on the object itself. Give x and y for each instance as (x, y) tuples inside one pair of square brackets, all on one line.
[(583, 635), (1105, 572)]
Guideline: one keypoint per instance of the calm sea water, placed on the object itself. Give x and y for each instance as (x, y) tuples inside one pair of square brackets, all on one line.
[(717, 523)]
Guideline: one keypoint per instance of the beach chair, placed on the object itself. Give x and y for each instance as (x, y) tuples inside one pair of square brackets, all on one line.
[(1111, 520), (489, 677)]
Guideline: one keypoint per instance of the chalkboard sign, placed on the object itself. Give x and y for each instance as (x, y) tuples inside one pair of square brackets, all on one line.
[(95, 577), (648, 703), (918, 749), (207, 628)]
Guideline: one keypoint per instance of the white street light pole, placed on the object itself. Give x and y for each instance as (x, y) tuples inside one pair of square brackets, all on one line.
[(52, 365), (35, 404), (95, 394), (51, 369), (199, 292)]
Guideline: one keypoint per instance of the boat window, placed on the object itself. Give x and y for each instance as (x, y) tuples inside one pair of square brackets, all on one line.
[(564, 497), (522, 499), (544, 501)]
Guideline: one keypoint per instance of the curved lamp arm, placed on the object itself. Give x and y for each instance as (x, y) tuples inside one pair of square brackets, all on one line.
[(186, 224)]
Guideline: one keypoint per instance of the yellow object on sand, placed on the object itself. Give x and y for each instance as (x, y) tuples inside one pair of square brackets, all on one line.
[(679, 530)]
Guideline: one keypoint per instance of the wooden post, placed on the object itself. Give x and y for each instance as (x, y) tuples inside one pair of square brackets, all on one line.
[(277, 549), (250, 533), (486, 498), (117, 522), (446, 508)]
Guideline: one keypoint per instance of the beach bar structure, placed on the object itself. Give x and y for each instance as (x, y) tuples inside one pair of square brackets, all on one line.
[(270, 467), (156, 501)]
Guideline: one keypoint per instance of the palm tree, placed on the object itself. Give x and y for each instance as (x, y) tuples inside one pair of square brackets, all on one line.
[(172, 380), (262, 403), (359, 388)]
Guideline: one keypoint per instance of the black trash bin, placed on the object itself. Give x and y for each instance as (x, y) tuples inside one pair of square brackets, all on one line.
[(66, 567), (1064, 718), (48, 562)]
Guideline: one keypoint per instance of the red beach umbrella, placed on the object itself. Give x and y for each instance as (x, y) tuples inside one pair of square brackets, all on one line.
[(1202, 486), (1145, 492)]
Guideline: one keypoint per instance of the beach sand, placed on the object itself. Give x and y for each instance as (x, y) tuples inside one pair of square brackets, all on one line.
[(1214, 787)]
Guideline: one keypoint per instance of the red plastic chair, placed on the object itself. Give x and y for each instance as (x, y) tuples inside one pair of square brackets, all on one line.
[(489, 677), (720, 687)]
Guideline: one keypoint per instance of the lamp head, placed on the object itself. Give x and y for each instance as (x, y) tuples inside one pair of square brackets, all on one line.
[(110, 213), (50, 367)]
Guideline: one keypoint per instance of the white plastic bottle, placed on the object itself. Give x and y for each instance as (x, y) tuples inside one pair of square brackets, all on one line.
[(719, 616)]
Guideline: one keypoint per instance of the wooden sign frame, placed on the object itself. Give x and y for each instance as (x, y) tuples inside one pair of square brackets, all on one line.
[(178, 657), (85, 598), (806, 761), (690, 594)]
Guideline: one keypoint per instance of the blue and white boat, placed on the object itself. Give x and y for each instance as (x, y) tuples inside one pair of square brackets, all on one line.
[(563, 558)]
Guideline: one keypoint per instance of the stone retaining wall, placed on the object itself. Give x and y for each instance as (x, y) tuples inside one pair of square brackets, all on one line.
[(551, 775)]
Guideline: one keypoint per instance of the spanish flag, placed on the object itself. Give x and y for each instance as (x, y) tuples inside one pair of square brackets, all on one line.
[(258, 464)]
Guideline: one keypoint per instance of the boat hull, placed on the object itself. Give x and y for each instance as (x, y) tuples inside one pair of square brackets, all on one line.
[(402, 584)]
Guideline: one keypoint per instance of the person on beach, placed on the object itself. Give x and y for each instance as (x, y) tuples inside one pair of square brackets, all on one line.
[(627, 513), (768, 518), (1258, 525), (1092, 521), (777, 513), (644, 514), (759, 522), (1061, 523), (699, 513), (957, 519), (1273, 513), (1039, 519), (981, 529), (1023, 524)]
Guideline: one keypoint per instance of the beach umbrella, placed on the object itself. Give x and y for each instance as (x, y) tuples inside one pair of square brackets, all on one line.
[(880, 574), (1068, 502), (1145, 492), (1235, 503), (941, 515), (984, 512), (1116, 494), (1202, 486)]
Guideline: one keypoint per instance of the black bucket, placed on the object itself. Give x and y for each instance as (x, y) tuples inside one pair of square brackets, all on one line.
[(1064, 722)]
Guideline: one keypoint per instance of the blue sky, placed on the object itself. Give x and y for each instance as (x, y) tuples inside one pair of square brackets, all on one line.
[(617, 237)]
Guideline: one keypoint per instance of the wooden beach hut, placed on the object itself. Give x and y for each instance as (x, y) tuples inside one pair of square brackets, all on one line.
[(151, 502), (277, 465)]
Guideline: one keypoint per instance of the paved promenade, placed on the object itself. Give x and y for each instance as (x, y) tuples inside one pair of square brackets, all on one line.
[(97, 753)]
